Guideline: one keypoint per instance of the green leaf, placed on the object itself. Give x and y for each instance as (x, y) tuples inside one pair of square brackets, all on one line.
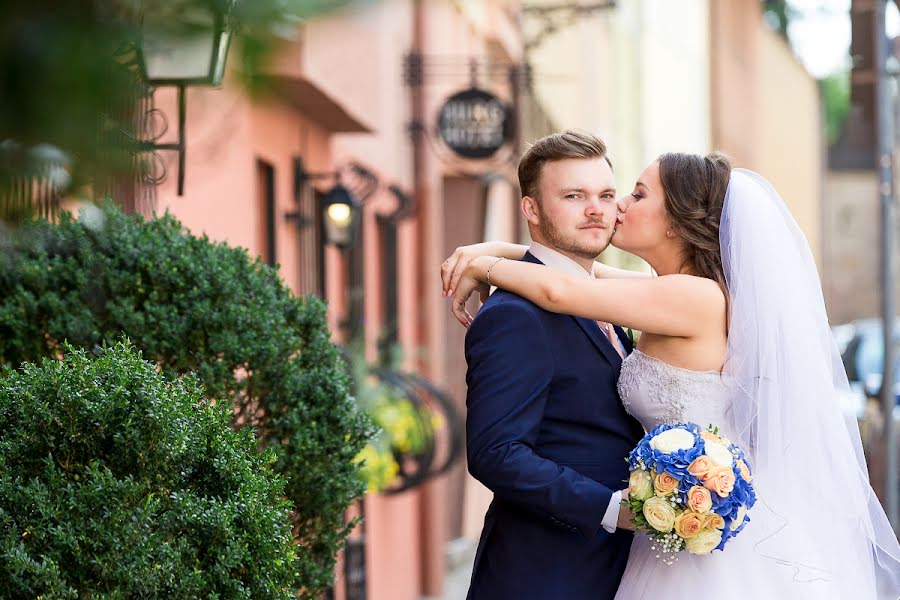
[(219, 326)]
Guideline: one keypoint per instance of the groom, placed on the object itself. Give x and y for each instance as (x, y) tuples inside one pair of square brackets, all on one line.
[(545, 429)]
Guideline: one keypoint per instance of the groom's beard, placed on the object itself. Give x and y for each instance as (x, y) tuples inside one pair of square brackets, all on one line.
[(570, 243)]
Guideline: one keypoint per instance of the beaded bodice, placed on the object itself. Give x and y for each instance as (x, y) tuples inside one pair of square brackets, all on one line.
[(655, 392)]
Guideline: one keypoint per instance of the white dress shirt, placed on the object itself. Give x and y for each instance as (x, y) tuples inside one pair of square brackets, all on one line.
[(556, 260)]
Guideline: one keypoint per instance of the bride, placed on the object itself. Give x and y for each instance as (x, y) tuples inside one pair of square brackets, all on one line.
[(734, 333)]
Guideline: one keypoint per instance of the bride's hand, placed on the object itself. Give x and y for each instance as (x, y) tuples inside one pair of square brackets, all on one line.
[(452, 269), (472, 279)]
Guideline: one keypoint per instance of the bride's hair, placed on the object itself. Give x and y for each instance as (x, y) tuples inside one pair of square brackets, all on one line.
[(694, 189)]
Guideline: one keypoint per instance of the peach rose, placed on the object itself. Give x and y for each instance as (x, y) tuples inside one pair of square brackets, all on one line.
[(664, 484), (745, 470), (688, 524), (700, 467), (708, 436), (699, 500), (659, 514), (719, 480), (713, 521), (704, 542)]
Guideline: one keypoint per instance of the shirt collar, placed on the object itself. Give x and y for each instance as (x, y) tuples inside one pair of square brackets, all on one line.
[(557, 260)]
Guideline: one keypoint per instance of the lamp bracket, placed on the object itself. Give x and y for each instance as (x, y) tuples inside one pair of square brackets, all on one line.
[(554, 17), (178, 146)]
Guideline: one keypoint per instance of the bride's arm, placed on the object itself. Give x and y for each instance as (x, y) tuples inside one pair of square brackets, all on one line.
[(453, 268), (673, 305), (602, 271)]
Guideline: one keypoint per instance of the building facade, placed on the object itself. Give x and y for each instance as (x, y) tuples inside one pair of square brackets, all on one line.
[(355, 101)]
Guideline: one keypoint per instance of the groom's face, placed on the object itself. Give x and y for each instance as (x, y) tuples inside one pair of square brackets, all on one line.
[(575, 211)]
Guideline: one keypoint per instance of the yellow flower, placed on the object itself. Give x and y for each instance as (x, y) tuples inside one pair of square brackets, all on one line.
[(639, 485), (378, 469), (437, 421), (659, 514), (704, 542)]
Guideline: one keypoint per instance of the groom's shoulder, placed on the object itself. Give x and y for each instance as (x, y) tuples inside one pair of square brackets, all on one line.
[(506, 305), (506, 318), (504, 298)]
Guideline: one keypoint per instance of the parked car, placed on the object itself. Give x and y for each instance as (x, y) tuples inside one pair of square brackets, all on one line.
[(863, 355)]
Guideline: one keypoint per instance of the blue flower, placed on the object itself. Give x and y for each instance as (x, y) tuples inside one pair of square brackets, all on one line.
[(674, 463)]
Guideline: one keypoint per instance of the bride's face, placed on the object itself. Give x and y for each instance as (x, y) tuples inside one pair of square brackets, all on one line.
[(643, 223)]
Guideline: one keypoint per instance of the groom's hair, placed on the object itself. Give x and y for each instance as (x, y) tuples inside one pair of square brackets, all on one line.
[(571, 143)]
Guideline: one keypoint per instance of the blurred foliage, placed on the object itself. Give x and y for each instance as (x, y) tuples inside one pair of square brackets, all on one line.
[(835, 92), (834, 89), (778, 15), (118, 483), (191, 305), (69, 75), (404, 427)]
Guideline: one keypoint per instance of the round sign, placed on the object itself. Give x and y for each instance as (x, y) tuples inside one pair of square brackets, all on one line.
[(474, 123)]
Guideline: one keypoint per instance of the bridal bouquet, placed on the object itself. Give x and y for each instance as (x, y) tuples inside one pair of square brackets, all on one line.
[(689, 488)]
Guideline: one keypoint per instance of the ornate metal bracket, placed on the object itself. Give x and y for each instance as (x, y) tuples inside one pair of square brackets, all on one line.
[(558, 16), (420, 70), (152, 117)]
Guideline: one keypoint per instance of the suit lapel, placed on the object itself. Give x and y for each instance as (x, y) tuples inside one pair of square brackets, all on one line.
[(601, 341), (623, 337), (593, 330)]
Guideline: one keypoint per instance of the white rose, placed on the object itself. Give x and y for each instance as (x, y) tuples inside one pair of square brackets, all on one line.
[(640, 486), (659, 514), (672, 440), (719, 454), (704, 542), (738, 519)]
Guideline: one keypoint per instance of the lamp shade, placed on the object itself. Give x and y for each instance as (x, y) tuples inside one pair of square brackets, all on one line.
[(340, 215), (191, 52)]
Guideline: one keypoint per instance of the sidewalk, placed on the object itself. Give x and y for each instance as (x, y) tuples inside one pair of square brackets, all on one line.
[(460, 558)]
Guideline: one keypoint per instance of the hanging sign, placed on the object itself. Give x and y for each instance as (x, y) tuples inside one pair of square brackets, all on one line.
[(474, 123)]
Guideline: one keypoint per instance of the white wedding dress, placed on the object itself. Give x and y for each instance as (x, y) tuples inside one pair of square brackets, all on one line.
[(817, 530), (655, 392)]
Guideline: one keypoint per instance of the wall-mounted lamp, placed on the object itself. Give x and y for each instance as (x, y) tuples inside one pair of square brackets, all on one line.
[(341, 213), (192, 53), (341, 208)]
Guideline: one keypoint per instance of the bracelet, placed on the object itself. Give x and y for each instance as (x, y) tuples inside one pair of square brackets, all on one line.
[(488, 274)]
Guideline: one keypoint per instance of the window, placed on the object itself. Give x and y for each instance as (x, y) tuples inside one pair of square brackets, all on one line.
[(265, 201)]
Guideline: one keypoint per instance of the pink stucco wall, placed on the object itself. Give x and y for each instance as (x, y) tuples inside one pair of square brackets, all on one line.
[(356, 59)]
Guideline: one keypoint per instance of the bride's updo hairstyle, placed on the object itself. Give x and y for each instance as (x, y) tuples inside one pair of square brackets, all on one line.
[(694, 190)]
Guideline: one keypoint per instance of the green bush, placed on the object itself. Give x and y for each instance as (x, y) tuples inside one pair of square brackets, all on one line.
[(191, 305), (115, 482)]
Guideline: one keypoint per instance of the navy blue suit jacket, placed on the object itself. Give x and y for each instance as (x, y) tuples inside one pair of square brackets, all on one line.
[(546, 432)]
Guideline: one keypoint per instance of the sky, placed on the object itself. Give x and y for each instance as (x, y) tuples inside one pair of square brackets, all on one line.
[(820, 33)]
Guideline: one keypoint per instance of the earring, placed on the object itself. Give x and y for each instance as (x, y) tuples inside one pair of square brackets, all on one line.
[(668, 233)]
